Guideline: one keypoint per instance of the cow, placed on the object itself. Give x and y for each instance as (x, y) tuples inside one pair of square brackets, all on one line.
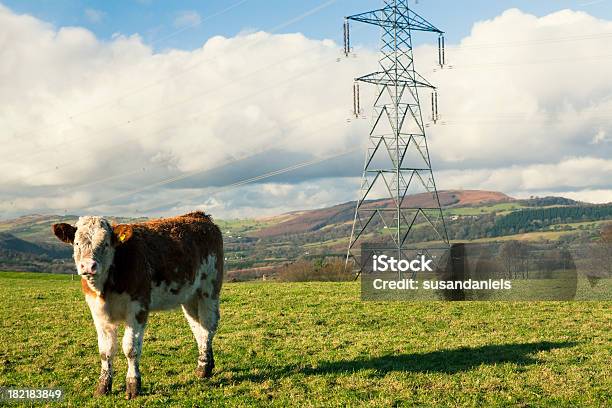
[(129, 270)]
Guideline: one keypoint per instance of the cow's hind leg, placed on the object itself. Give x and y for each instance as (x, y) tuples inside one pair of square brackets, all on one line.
[(209, 317), (132, 348), (202, 313)]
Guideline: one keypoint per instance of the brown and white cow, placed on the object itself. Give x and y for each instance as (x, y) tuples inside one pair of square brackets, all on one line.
[(128, 270)]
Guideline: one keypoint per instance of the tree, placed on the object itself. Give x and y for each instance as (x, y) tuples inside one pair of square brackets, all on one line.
[(514, 258)]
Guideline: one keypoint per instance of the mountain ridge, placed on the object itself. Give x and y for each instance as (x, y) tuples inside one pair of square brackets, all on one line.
[(309, 220)]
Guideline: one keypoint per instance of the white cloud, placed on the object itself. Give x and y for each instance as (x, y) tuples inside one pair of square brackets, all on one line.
[(267, 199), (187, 18), (94, 16), (567, 175), (34, 204), (600, 137), (85, 121), (589, 196), (103, 109)]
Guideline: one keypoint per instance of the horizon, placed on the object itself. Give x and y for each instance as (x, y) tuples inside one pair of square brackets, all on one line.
[(445, 207)]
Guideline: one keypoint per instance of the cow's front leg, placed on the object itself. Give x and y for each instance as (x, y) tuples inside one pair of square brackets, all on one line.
[(107, 345), (132, 348)]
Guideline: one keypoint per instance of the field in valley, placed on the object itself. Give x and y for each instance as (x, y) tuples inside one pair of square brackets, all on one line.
[(317, 344)]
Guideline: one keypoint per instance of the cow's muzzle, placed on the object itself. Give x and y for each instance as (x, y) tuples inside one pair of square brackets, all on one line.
[(88, 267)]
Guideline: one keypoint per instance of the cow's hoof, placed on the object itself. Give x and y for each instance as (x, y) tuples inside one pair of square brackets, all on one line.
[(105, 385), (132, 387), (205, 371)]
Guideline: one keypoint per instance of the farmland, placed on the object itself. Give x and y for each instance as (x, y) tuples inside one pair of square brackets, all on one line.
[(317, 344), (253, 246)]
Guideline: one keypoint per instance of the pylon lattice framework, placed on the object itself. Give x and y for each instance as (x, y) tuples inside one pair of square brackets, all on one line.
[(398, 191)]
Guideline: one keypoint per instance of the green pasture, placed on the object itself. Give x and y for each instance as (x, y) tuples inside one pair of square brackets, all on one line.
[(317, 344)]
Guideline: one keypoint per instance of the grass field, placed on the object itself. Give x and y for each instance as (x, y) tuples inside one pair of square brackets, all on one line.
[(316, 344), (501, 208)]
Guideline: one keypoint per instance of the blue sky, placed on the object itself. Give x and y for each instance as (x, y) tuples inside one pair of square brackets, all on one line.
[(156, 20)]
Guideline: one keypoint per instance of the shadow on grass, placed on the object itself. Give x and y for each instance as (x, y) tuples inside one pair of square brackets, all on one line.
[(443, 361)]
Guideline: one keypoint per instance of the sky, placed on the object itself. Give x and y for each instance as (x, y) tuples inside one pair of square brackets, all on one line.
[(158, 21), (151, 107)]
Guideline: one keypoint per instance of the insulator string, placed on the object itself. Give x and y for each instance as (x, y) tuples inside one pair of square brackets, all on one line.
[(434, 107), (356, 102), (441, 51), (347, 38)]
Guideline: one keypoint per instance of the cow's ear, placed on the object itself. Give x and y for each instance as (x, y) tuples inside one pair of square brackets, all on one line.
[(65, 232), (121, 234)]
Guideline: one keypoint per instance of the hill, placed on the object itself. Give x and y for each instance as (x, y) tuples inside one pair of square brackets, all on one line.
[(27, 244), (304, 221), (9, 242), (18, 254), (254, 247)]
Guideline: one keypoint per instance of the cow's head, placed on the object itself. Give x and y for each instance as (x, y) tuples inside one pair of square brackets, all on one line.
[(94, 241)]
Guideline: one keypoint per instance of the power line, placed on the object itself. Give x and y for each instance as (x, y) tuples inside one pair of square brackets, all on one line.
[(200, 171), (199, 22), (444, 123), (190, 174), (271, 174), (509, 64), (181, 30), (227, 187), (192, 97), (543, 41), (283, 25), (517, 122)]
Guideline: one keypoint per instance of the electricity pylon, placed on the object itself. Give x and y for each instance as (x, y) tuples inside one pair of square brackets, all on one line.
[(397, 164)]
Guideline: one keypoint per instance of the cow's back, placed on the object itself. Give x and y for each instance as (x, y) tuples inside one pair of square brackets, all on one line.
[(171, 255)]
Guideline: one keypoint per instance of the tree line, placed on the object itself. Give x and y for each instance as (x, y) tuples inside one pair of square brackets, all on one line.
[(534, 219)]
